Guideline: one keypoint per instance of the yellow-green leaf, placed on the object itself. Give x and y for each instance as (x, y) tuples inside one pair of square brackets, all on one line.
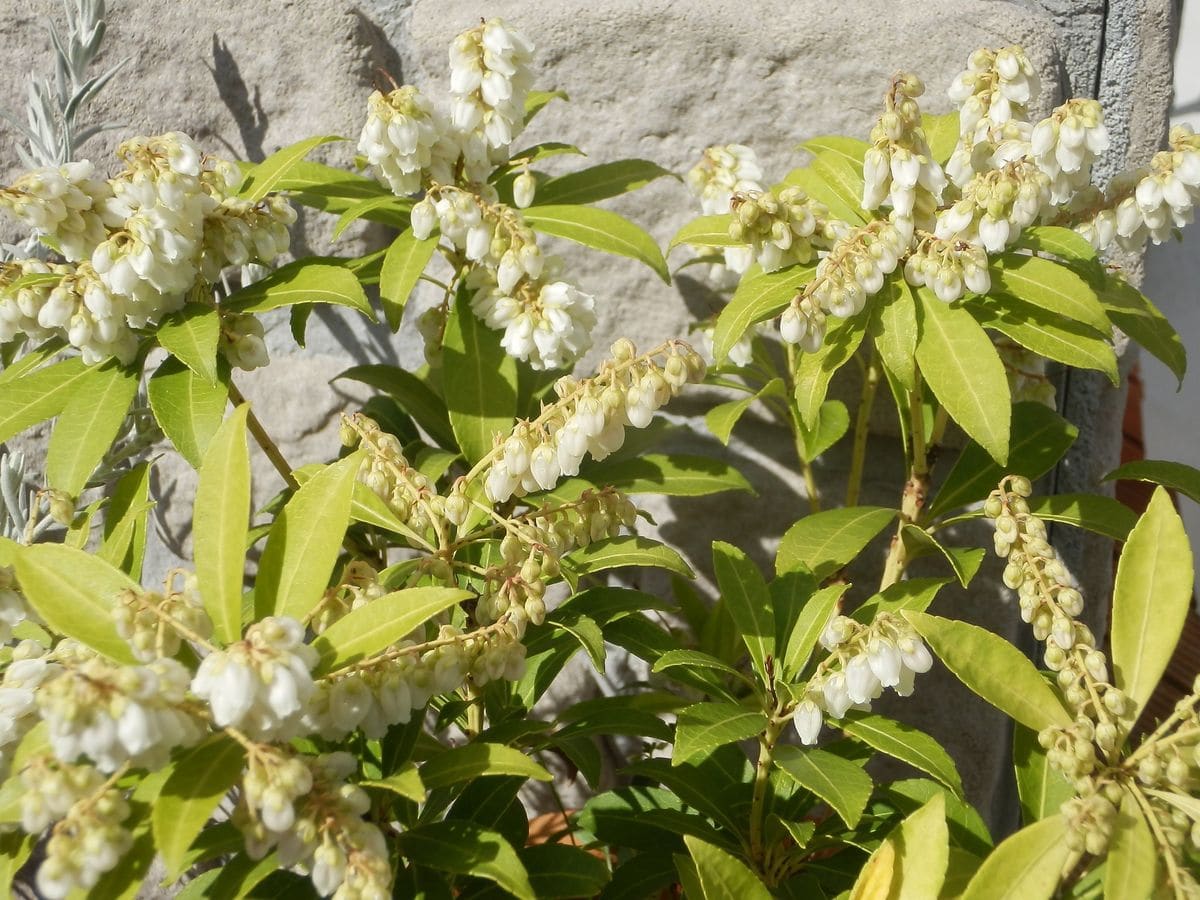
[(191, 335), (188, 407), (723, 876), (1026, 866), (826, 541), (196, 783), (479, 380), (263, 178), (406, 259), (458, 764), (88, 425), (601, 230)]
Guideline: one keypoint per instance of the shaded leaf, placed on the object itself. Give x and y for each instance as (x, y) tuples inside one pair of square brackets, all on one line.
[(479, 380), (458, 764), (196, 783)]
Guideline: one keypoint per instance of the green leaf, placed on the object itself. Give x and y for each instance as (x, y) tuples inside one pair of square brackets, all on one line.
[(1174, 475), (963, 369), (673, 475), (852, 149), (458, 764), (125, 521), (922, 844), (1041, 788), (723, 876), (191, 335), (722, 418), (397, 209), (601, 230), (559, 871), (1050, 335), (905, 743), (266, 176), (894, 329), (694, 659), (1135, 315), (816, 370), (915, 594), (814, 616), (702, 727), (1049, 286), (833, 421), (1065, 243), (1188, 805), (757, 298), (1132, 860), (88, 425), (479, 380), (839, 782), (875, 878), (835, 181), (413, 394), (1040, 437), (196, 783), (221, 524), (1101, 515), (826, 541), (39, 395), (706, 231), (1025, 866), (188, 407), (406, 783), (302, 281), (542, 151), (964, 561), (466, 849), (745, 596), (303, 544), (74, 593), (941, 132), (600, 182), (994, 669), (381, 623), (1151, 599), (626, 550), (403, 264), (535, 101)]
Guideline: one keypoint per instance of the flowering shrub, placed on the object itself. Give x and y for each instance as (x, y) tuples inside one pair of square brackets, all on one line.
[(349, 710)]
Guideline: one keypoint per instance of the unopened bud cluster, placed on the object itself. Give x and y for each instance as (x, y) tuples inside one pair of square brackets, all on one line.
[(996, 205), (949, 268), (899, 168), (590, 417), (137, 243), (852, 271), (357, 587), (407, 491), (863, 660), (725, 170), (147, 621), (782, 228)]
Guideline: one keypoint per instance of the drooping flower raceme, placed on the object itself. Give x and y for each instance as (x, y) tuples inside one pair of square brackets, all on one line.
[(723, 171), (398, 138), (780, 228), (1065, 145), (899, 168), (948, 268)]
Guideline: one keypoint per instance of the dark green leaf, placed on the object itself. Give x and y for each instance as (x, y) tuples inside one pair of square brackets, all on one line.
[(480, 382), (839, 782), (1174, 475)]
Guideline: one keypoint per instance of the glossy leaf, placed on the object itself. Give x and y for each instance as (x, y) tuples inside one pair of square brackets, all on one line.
[(706, 231), (1065, 243), (561, 871), (1096, 513), (197, 782), (304, 542), (1135, 315), (746, 598), (816, 370), (126, 521), (479, 380), (905, 743), (266, 176), (303, 281), (412, 394), (221, 524), (757, 297), (1040, 438), (406, 783), (965, 561), (826, 541), (601, 230), (1050, 286), (600, 182), (74, 593), (403, 264), (1042, 789), (994, 669), (1151, 599), (809, 624), (839, 782), (833, 421), (915, 594), (536, 101), (39, 395), (458, 764), (894, 329), (941, 133), (922, 844), (1174, 475), (723, 876), (88, 425), (1026, 865), (191, 335), (1132, 860), (466, 849), (673, 475), (187, 407), (627, 550), (963, 369), (701, 728), (852, 149), (1051, 336)]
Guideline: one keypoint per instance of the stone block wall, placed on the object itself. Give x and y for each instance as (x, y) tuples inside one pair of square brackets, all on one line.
[(656, 79)]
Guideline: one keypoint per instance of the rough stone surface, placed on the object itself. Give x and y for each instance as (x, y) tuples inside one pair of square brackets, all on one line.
[(655, 79)]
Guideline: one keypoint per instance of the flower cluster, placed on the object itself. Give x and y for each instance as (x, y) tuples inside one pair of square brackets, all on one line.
[(899, 168), (114, 714), (26, 671), (150, 623), (358, 586), (722, 172), (780, 228), (948, 268), (408, 142), (996, 205), (852, 271), (88, 839), (305, 809), (243, 341), (863, 660), (993, 94), (1065, 145), (139, 242), (589, 418), (262, 683)]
